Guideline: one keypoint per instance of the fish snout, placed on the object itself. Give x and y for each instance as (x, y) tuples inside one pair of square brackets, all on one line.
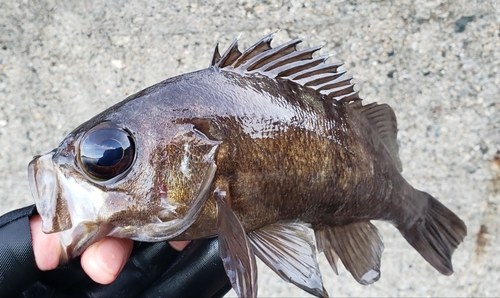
[(45, 189)]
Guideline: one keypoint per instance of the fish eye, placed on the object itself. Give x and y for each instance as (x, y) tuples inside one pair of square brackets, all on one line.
[(106, 151)]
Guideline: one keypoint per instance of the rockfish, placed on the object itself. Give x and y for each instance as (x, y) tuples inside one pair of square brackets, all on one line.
[(270, 149)]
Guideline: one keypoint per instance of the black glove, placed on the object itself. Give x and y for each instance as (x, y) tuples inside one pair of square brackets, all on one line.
[(153, 270)]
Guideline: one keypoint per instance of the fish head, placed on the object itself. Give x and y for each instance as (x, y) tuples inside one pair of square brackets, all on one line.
[(138, 178)]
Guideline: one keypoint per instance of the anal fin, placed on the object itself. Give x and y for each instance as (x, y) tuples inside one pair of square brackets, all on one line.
[(235, 249), (323, 243), (358, 245), (289, 250)]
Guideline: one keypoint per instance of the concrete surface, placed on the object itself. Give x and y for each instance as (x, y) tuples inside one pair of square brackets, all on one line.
[(435, 62)]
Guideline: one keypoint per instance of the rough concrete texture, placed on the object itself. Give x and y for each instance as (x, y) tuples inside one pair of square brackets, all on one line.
[(435, 62)]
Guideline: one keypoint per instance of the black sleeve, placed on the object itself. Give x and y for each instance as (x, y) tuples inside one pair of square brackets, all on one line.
[(196, 272), (18, 269), (153, 270)]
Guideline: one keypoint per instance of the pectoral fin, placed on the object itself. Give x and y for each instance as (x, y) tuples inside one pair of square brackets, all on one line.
[(358, 245), (235, 249), (289, 250)]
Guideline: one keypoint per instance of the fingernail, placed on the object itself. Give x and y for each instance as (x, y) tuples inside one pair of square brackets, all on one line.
[(179, 245)]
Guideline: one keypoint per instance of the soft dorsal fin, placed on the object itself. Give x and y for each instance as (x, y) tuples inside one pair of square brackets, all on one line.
[(383, 119), (286, 62)]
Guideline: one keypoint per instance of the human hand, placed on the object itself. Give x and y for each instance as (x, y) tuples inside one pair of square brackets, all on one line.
[(102, 261)]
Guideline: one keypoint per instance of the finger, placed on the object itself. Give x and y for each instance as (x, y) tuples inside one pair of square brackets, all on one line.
[(104, 260), (46, 247), (178, 245)]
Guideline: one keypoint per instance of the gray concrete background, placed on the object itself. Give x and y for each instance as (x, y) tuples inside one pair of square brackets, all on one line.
[(61, 62)]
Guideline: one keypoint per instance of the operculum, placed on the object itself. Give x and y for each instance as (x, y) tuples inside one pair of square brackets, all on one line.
[(183, 167)]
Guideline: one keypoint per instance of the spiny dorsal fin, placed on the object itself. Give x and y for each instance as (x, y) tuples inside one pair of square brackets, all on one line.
[(383, 119), (286, 62)]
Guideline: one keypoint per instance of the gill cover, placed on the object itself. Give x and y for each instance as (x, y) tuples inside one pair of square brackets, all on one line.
[(184, 175)]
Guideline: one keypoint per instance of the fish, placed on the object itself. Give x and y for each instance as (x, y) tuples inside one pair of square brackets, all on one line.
[(270, 149)]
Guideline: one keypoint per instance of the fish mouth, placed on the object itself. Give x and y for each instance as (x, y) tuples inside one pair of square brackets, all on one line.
[(63, 205), (63, 200), (44, 187)]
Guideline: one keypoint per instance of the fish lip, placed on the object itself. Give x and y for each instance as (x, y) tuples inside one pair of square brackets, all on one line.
[(54, 200), (44, 187)]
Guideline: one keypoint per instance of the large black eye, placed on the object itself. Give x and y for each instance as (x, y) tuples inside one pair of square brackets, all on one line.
[(106, 151)]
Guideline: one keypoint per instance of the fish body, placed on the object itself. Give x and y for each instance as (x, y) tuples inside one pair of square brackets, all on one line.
[(270, 150)]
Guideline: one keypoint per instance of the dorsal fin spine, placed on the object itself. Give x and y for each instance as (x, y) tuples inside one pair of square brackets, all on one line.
[(229, 55), (335, 92), (287, 71), (302, 65), (216, 56), (321, 79), (321, 68), (348, 98), (266, 57), (305, 54), (340, 80), (263, 45), (343, 80), (342, 90)]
